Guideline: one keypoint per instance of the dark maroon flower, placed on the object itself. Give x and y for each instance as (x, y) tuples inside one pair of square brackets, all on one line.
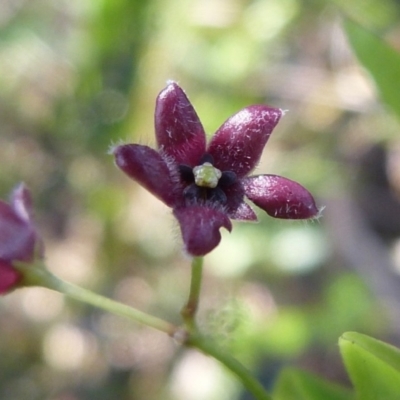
[(206, 185), (18, 238)]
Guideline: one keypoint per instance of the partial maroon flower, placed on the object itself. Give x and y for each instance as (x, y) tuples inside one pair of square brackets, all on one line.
[(205, 185), (18, 238)]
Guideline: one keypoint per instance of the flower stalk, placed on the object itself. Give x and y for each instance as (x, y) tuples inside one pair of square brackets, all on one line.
[(189, 310), (249, 382), (38, 275), (196, 340)]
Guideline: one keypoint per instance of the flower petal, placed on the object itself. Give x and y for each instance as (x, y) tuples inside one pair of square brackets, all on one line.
[(9, 277), (17, 236), (22, 202), (200, 228), (239, 142), (244, 213), (236, 208), (147, 167), (280, 197), (179, 131)]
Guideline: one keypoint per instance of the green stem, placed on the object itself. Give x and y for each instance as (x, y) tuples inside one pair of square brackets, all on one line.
[(244, 375), (189, 310), (203, 344), (36, 275)]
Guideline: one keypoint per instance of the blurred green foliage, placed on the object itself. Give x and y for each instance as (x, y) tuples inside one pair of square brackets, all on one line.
[(381, 60), (300, 385), (77, 77)]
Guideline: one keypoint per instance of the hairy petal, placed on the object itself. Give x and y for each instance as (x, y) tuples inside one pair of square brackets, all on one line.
[(147, 167), (179, 132), (280, 197), (9, 277), (236, 208), (17, 236), (239, 142), (243, 213), (200, 228)]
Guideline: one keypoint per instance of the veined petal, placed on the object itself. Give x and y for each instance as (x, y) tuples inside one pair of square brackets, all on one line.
[(8, 277), (147, 167), (17, 236), (280, 197), (239, 142), (200, 228), (179, 132)]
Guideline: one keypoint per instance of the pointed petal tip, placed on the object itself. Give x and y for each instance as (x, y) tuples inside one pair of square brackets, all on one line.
[(21, 201), (171, 89), (20, 190), (200, 228), (171, 82)]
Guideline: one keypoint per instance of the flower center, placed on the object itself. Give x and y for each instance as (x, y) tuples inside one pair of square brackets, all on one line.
[(206, 175), (205, 182)]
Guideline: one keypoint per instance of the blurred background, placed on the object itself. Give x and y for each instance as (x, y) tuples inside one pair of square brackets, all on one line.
[(79, 76)]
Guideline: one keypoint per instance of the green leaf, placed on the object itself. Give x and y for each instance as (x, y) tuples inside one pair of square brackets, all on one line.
[(381, 60), (295, 384), (373, 366)]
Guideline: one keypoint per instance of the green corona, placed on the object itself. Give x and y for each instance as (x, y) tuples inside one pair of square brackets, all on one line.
[(206, 175)]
